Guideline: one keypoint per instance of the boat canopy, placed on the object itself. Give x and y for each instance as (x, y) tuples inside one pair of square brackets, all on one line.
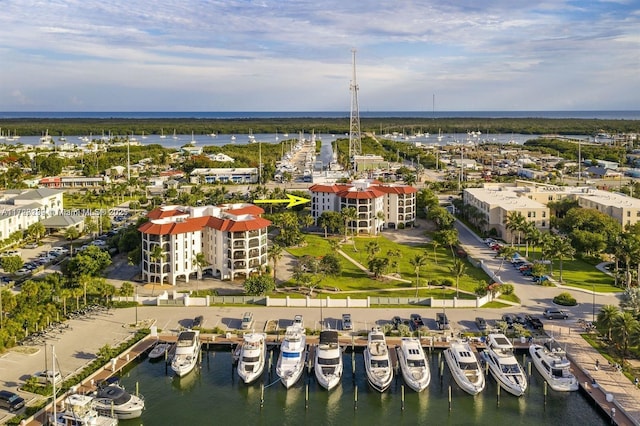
[(329, 337)]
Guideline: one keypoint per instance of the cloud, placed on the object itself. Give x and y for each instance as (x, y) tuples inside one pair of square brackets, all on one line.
[(284, 54)]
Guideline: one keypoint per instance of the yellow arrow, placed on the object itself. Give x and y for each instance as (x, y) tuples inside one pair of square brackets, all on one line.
[(291, 199)]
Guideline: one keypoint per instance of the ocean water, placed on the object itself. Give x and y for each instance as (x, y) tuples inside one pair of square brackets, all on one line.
[(213, 394), (605, 115)]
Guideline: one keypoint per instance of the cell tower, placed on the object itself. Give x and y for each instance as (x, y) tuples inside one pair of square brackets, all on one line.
[(355, 142)]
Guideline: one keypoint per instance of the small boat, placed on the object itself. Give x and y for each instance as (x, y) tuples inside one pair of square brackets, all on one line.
[(233, 138), (464, 367), (79, 411), (253, 354), (503, 364), (159, 350), (252, 139), (328, 363), (377, 361), (187, 352), (293, 351), (162, 135), (113, 398), (413, 364), (552, 364)]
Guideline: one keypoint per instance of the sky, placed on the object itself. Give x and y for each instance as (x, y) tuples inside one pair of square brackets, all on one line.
[(285, 55)]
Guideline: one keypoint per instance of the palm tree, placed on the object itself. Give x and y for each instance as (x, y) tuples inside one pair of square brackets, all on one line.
[(71, 234), (457, 270), (275, 254), (373, 248), (418, 262), (379, 220), (395, 253), (435, 243), (200, 260), (349, 214), (515, 223), (157, 255), (564, 250), (626, 332), (606, 319), (36, 231)]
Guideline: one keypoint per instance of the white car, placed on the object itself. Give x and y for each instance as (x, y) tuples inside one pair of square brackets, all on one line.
[(60, 250), (47, 377), (22, 271)]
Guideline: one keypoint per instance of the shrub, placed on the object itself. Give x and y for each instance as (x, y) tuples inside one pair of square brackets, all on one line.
[(565, 299), (506, 289)]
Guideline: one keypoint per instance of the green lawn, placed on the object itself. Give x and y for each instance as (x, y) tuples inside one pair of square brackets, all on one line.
[(352, 278), (579, 273)]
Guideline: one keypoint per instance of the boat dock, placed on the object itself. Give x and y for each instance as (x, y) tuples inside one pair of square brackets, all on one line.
[(601, 386)]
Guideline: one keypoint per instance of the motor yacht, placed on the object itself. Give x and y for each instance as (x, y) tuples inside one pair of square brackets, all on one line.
[(377, 361), (413, 364), (293, 353), (328, 361), (503, 364), (113, 398), (464, 367), (79, 411), (253, 354), (552, 364), (186, 353)]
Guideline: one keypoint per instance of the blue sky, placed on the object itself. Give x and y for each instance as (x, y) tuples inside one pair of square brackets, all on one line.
[(282, 55)]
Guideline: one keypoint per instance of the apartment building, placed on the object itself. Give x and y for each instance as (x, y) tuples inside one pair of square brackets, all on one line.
[(232, 238), (20, 208), (376, 204)]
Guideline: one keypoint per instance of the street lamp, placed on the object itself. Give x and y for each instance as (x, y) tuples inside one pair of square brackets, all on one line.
[(593, 304), (135, 299)]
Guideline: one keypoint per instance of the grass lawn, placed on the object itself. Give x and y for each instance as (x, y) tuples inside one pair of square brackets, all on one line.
[(510, 297), (352, 278), (578, 273), (607, 351)]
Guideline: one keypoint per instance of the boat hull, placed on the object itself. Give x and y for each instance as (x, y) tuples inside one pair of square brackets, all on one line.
[(506, 384), (561, 384), (120, 414), (379, 379), (417, 378), (461, 379)]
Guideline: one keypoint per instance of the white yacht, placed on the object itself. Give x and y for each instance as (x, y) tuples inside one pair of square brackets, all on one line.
[(187, 351), (293, 351), (503, 364), (464, 367), (377, 361), (328, 363), (253, 354), (79, 411), (552, 363), (413, 364), (115, 399)]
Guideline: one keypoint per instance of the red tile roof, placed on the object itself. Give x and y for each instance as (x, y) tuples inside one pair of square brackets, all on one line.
[(173, 228), (328, 188), (361, 195), (250, 209), (161, 213), (399, 189), (237, 226)]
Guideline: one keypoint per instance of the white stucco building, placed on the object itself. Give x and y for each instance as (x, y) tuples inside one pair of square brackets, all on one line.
[(232, 238), (21, 208)]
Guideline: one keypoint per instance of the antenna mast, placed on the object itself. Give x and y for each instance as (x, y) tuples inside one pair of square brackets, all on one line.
[(355, 142)]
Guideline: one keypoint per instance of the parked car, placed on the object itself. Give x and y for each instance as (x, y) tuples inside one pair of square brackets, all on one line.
[(31, 245), (60, 250), (481, 323), (48, 377), (11, 401), (442, 321), (298, 320), (509, 319), (521, 319), (534, 322), (247, 321), (416, 321), (555, 313), (346, 322), (197, 321)]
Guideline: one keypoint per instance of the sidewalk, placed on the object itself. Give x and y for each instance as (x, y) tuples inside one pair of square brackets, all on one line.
[(625, 397)]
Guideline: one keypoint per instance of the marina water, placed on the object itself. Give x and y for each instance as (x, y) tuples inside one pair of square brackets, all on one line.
[(213, 394)]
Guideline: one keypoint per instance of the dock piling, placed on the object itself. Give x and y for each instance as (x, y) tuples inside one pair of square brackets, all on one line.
[(261, 395), (402, 397), (355, 398), (306, 396), (498, 396), (449, 397)]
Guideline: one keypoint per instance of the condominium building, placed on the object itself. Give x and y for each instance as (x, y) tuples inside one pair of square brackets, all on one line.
[(232, 239), (376, 204), (21, 208)]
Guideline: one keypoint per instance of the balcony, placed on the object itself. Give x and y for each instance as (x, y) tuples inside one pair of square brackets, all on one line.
[(363, 209), (239, 264), (241, 254), (253, 234), (254, 253), (254, 242), (238, 244)]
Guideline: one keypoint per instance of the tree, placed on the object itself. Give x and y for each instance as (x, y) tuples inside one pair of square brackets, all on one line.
[(373, 248), (50, 165), (330, 265), (447, 238), (630, 300), (606, 318), (157, 255), (90, 262), (71, 234), (457, 270), (418, 261), (257, 285), (36, 231), (516, 223), (11, 264), (127, 289), (378, 265), (394, 256), (200, 261), (332, 222), (349, 215), (90, 225), (626, 332), (275, 254)]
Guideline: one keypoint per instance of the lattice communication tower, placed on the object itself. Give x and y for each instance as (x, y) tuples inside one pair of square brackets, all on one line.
[(355, 141)]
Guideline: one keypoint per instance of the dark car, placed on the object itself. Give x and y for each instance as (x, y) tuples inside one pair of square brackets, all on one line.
[(416, 321), (509, 319), (521, 319), (197, 321), (396, 321), (481, 323), (11, 401), (534, 322), (442, 321), (554, 313)]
